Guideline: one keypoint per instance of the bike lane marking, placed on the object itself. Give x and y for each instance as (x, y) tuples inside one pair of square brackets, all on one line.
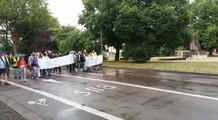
[(144, 87), (68, 102)]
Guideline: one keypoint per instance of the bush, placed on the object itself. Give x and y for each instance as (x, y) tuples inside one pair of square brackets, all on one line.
[(139, 54), (167, 51)]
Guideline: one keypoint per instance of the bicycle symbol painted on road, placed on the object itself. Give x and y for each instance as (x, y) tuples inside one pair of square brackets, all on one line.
[(38, 102)]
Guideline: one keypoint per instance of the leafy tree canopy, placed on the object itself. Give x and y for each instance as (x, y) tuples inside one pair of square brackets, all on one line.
[(25, 18), (70, 38), (205, 23), (154, 23)]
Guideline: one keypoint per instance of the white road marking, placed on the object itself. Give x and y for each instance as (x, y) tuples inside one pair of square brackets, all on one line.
[(68, 102), (82, 92), (38, 102), (93, 89), (145, 87), (105, 86), (51, 81), (95, 74), (98, 89)]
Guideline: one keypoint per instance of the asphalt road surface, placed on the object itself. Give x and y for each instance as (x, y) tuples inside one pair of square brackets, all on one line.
[(115, 94)]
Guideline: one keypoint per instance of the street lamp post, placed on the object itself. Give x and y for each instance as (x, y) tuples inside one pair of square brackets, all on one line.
[(101, 41), (101, 34), (5, 40)]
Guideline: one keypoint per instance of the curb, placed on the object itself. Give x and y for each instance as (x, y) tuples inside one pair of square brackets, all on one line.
[(27, 114)]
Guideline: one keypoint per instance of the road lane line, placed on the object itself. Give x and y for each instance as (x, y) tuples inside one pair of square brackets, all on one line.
[(68, 102), (145, 87)]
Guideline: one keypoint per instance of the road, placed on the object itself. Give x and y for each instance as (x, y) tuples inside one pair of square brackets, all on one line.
[(115, 94)]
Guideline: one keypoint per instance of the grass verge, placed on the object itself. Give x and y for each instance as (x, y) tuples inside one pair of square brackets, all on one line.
[(197, 67)]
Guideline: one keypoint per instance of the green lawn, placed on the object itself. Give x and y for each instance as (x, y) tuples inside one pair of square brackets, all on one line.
[(198, 67)]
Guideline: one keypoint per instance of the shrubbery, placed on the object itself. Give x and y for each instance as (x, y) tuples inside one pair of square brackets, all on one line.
[(167, 51), (138, 53)]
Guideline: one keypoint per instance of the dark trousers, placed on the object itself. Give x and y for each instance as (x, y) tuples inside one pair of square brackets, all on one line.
[(72, 67), (46, 71)]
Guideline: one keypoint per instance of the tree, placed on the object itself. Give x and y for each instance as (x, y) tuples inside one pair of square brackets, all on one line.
[(154, 23), (37, 37), (100, 16), (24, 17), (70, 38), (159, 24), (205, 23)]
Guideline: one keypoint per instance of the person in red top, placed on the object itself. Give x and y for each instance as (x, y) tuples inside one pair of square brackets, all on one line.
[(22, 66)]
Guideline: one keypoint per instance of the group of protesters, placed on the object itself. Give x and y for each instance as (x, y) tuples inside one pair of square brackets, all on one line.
[(20, 65), (77, 63), (33, 64), (16, 62)]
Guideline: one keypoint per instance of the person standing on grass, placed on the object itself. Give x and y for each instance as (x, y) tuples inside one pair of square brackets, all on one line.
[(3, 68), (22, 66)]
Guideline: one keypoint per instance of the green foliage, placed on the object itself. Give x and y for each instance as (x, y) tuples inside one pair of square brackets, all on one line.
[(205, 22), (138, 53), (167, 51), (69, 38), (101, 15), (160, 25), (25, 19), (155, 23)]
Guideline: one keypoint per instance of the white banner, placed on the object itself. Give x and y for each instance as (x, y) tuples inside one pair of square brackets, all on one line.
[(46, 63), (94, 60)]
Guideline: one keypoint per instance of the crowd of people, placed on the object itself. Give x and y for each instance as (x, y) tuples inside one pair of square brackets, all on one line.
[(20, 65)]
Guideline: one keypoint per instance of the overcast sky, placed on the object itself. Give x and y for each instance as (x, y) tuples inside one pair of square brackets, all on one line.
[(66, 11)]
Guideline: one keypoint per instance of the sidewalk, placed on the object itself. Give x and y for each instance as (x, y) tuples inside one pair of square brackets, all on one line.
[(6, 113), (11, 110)]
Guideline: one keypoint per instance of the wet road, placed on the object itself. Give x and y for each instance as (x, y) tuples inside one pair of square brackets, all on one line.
[(117, 94)]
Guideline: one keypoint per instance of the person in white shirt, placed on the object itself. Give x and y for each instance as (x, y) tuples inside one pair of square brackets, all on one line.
[(3, 68)]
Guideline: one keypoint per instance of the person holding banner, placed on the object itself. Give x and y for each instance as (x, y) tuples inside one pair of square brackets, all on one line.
[(85, 53), (72, 67), (49, 70), (80, 61), (59, 68)]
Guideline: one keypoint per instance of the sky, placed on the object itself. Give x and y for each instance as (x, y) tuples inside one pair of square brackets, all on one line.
[(66, 11)]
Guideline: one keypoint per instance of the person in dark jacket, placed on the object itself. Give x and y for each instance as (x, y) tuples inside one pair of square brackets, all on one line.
[(36, 68)]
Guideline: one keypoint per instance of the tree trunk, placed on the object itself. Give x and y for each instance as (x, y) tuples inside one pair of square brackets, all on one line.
[(6, 39), (117, 55), (15, 42), (211, 51)]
